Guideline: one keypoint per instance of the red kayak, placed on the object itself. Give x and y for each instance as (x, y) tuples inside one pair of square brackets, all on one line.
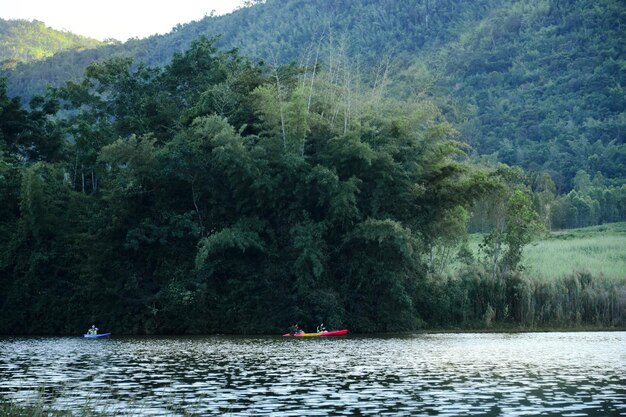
[(327, 333)]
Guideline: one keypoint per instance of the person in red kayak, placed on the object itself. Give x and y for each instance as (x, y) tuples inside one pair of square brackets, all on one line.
[(321, 328), (294, 329)]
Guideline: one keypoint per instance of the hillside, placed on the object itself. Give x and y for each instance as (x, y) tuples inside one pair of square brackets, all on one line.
[(543, 85), (27, 41), (282, 31), (536, 84)]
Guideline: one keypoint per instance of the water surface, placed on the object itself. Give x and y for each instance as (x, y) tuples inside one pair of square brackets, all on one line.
[(564, 374)]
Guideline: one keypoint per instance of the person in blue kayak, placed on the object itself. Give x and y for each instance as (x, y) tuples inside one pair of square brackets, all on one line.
[(321, 328), (93, 330)]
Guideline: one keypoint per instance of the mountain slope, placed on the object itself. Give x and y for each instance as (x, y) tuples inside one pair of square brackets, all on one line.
[(282, 31), (545, 82), (25, 41), (539, 84)]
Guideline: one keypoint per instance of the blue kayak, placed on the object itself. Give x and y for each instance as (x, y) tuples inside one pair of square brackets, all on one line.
[(95, 336)]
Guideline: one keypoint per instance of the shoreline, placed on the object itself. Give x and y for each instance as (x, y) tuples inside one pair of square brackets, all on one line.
[(584, 329)]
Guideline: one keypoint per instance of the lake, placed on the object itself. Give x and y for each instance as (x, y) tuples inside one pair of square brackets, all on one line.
[(487, 374)]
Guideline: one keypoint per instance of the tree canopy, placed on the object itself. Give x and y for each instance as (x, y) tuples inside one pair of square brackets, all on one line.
[(230, 192)]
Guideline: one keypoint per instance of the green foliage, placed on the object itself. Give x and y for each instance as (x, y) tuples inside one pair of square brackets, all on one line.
[(560, 253), (545, 82), (508, 210), (598, 249), (26, 134), (202, 227), (590, 203), (24, 41), (239, 237), (534, 84), (277, 31), (521, 226), (451, 240), (214, 195), (475, 299)]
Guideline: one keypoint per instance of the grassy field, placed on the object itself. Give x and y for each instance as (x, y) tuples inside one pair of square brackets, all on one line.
[(598, 249)]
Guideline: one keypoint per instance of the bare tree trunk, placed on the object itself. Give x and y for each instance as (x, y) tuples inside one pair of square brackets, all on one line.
[(282, 116), (445, 256), (380, 82), (279, 91), (496, 255), (304, 63), (195, 204), (332, 120), (317, 54), (500, 229), (431, 258), (348, 97), (75, 172)]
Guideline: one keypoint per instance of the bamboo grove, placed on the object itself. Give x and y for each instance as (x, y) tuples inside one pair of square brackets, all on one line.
[(217, 195)]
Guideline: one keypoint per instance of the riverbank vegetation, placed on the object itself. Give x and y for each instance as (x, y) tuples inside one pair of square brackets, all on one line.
[(47, 405), (599, 249), (570, 279), (518, 301), (216, 195), (565, 252), (14, 409)]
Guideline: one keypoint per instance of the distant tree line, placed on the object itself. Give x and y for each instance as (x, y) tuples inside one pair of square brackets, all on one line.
[(591, 202), (25, 41)]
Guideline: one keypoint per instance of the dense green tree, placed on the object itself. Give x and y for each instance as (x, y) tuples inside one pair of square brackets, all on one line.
[(41, 253), (29, 134), (514, 221), (544, 196)]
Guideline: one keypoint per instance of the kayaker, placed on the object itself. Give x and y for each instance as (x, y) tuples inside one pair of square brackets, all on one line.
[(293, 329), (93, 330), (321, 328)]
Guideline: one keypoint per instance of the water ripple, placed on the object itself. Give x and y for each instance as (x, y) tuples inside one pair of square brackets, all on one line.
[(574, 374)]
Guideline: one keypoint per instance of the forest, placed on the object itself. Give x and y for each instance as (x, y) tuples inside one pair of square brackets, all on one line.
[(23, 41), (532, 84), (194, 184), (216, 195)]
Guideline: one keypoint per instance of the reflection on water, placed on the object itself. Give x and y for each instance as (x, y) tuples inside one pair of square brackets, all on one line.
[(570, 374)]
